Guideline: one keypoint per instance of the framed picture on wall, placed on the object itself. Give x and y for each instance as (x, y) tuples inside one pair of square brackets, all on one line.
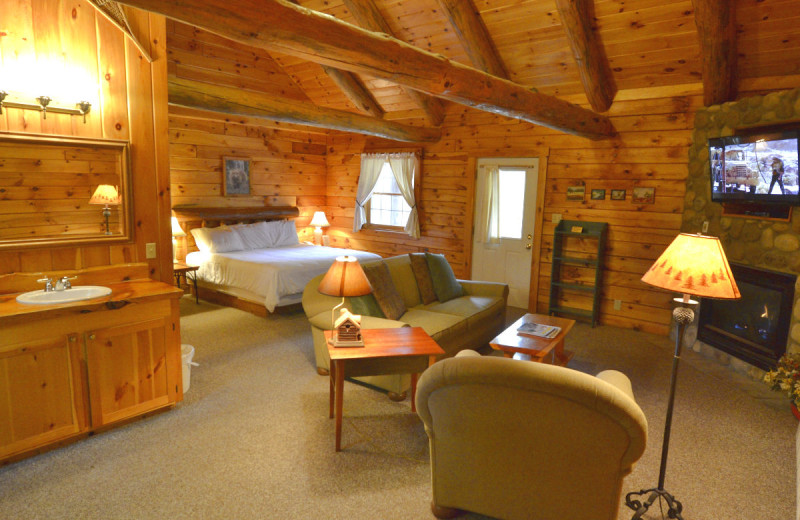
[(643, 195), (576, 192), (617, 194), (598, 194), (236, 176)]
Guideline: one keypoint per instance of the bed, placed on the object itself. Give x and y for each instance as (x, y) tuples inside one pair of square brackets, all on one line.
[(252, 257)]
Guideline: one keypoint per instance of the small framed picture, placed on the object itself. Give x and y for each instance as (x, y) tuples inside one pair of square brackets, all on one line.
[(643, 195), (237, 176), (576, 192), (617, 194), (598, 194)]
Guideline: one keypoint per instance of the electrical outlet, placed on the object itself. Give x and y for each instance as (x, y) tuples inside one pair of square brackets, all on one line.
[(617, 305), (705, 226), (150, 250), (556, 218)]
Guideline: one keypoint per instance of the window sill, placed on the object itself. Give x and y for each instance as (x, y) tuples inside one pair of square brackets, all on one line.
[(383, 229)]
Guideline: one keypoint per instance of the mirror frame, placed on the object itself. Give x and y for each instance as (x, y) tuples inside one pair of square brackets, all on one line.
[(126, 215)]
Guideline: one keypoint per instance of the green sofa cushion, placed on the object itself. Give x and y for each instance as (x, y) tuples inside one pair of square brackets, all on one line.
[(366, 305), (445, 284), (419, 264), (389, 300)]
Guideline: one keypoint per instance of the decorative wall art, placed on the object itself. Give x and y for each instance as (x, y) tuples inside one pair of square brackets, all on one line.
[(576, 192), (237, 176), (617, 194), (598, 194), (643, 195)]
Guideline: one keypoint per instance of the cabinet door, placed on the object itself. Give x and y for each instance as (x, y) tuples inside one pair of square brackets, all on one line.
[(42, 393), (127, 368)]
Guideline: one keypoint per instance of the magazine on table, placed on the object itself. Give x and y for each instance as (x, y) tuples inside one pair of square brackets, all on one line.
[(538, 330)]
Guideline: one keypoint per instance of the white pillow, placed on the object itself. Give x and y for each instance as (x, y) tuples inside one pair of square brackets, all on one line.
[(253, 236), (217, 240), (287, 233)]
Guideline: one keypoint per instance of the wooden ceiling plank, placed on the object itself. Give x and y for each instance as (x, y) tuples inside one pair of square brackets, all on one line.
[(369, 17), (235, 101), (717, 32), (280, 25), (577, 17), (355, 90), (474, 36)]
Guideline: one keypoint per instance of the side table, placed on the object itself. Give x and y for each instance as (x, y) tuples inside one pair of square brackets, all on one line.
[(535, 349), (413, 349), (188, 272)]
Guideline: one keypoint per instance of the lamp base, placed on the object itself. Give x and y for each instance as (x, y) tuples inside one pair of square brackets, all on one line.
[(675, 507), (354, 343)]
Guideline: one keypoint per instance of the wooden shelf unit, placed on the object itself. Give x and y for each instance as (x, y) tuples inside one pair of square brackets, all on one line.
[(594, 234)]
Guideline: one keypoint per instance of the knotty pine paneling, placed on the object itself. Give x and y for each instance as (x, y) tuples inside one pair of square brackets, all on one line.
[(66, 50)]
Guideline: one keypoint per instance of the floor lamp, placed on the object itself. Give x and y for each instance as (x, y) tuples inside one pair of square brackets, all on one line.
[(694, 265)]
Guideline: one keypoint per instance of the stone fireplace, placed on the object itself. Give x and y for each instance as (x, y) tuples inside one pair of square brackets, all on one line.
[(756, 242)]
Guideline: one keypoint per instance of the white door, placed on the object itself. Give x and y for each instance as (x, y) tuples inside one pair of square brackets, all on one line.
[(509, 259)]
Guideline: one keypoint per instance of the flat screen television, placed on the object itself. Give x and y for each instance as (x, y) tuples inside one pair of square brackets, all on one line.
[(757, 167)]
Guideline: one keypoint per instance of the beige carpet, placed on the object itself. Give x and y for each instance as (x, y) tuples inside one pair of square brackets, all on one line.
[(252, 439)]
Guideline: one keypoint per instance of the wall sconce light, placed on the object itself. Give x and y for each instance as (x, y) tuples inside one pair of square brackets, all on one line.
[(44, 106), (107, 196)]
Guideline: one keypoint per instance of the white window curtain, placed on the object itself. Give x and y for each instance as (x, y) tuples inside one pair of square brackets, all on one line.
[(371, 165), (489, 232), (404, 167)]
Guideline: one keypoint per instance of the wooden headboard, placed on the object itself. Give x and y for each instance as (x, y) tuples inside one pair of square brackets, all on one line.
[(191, 217)]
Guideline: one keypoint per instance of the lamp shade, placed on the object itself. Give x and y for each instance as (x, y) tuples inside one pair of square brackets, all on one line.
[(694, 264), (319, 219), (345, 278), (107, 195), (177, 231)]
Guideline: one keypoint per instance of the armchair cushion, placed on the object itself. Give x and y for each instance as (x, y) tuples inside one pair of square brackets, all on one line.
[(389, 300), (445, 284)]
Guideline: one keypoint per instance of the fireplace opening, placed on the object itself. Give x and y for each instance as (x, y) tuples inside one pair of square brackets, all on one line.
[(755, 327)]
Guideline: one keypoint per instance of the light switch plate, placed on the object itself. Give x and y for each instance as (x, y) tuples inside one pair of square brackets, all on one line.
[(150, 250), (556, 218), (705, 226), (617, 305)]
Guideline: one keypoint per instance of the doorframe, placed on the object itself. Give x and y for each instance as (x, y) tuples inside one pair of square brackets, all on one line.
[(542, 155)]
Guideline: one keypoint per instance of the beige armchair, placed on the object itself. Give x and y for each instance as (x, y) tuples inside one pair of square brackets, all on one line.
[(520, 440)]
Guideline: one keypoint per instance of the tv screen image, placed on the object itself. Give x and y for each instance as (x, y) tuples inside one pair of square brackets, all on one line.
[(759, 168)]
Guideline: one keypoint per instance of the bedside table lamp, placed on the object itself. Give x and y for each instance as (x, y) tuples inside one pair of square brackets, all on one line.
[(177, 231), (106, 195), (318, 221), (345, 278)]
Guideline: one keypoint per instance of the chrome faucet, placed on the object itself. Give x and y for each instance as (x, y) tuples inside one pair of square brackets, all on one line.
[(48, 283), (64, 283)]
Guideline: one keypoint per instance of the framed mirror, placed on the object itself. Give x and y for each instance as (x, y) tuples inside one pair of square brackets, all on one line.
[(48, 187)]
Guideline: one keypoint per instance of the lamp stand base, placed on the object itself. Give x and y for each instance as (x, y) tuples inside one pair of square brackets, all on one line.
[(675, 507)]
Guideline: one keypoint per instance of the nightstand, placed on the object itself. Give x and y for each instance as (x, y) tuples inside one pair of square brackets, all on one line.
[(188, 272)]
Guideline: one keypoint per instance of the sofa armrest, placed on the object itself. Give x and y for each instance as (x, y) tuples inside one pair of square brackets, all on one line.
[(478, 288), (619, 380), (323, 321)]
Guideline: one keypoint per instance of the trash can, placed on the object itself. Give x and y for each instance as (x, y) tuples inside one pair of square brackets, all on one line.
[(187, 353)]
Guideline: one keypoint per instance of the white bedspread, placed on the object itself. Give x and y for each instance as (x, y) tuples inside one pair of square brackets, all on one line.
[(273, 273)]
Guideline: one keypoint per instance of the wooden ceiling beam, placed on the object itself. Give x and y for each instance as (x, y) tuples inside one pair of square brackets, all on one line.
[(577, 18), (355, 90), (281, 26), (369, 17), (239, 102), (474, 36), (716, 29)]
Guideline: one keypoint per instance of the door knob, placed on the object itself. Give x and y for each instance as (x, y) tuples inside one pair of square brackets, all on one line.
[(527, 246), (530, 237), (91, 336)]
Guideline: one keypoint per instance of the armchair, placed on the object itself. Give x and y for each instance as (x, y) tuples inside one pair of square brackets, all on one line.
[(520, 440)]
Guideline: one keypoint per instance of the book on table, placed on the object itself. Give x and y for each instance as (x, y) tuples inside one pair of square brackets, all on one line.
[(538, 330)]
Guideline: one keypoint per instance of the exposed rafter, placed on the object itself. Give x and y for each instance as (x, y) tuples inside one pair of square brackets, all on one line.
[(577, 18), (717, 31), (474, 36), (284, 27), (369, 17), (114, 14), (236, 101)]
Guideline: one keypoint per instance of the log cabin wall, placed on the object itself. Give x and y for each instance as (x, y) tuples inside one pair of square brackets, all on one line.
[(75, 51), (286, 160)]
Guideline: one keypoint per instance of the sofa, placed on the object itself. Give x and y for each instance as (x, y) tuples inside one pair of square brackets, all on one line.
[(468, 321), (519, 440)]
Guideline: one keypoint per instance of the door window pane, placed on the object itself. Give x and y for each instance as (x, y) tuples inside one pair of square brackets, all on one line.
[(512, 200)]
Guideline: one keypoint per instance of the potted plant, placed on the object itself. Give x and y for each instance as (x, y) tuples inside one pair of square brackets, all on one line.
[(786, 378)]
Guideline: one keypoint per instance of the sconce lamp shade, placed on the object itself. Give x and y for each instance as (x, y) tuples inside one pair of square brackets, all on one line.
[(696, 265), (345, 278), (319, 220), (177, 231), (106, 195)]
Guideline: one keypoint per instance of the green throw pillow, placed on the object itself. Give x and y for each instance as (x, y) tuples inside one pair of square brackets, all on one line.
[(445, 284), (422, 273), (366, 305), (389, 300)]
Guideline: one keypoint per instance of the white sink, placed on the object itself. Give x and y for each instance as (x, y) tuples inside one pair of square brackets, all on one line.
[(77, 293)]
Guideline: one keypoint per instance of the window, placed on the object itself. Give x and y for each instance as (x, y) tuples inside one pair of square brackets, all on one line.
[(511, 202), (387, 207)]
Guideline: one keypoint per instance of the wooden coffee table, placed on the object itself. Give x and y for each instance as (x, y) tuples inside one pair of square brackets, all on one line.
[(535, 349), (413, 349)]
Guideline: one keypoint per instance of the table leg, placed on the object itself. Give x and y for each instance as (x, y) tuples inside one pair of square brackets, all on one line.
[(560, 356), (414, 378), (332, 384), (196, 294), (339, 390)]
